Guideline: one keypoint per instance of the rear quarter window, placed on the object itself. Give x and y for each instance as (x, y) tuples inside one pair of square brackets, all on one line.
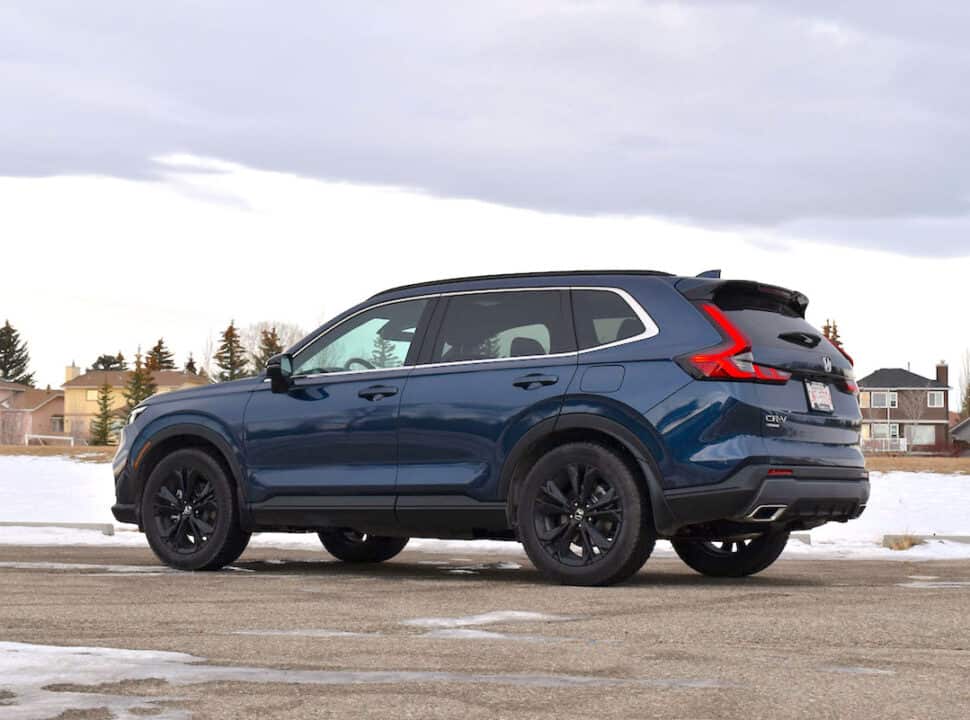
[(603, 317)]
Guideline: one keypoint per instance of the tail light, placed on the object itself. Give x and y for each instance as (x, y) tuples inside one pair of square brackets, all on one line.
[(732, 359)]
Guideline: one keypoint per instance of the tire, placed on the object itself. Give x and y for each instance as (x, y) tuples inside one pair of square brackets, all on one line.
[(732, 558), (564, 489), (355, 547), (201, 533)]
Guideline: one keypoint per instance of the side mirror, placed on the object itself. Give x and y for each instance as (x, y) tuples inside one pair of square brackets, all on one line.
[(279, 370)]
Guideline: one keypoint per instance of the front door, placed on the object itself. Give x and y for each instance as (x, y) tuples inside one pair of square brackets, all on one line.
[(332, 439)]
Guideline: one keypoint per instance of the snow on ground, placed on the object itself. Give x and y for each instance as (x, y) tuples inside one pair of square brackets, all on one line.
[(58, 489)]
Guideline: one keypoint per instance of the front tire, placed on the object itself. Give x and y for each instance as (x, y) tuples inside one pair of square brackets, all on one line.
[(583, 517), (189, 512), (732, 558), (356, 547)]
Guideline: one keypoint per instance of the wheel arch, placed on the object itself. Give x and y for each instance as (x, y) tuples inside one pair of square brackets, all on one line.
[(181, 435), (585, 427)]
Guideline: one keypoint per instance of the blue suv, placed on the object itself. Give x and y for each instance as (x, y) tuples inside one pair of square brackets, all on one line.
[(584, 414)]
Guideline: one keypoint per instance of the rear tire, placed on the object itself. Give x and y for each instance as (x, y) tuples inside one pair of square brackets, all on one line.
[(190, 514), (583, 516), (355, 547), (732, 558)]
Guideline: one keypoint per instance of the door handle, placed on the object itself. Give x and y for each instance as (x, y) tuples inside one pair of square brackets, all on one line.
[(535, 380), (377, 392)]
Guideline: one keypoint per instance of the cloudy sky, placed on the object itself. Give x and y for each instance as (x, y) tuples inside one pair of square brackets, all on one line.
[(165, 167)]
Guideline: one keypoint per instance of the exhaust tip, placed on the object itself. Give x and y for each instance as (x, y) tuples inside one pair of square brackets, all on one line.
[(766, 513)]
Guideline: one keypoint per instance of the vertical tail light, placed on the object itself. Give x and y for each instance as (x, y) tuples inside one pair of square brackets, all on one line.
[(732, 359)]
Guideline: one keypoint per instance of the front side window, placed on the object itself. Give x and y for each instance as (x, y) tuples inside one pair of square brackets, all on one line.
[(935, 399), (497, 325), (603, 317), (375, 339)]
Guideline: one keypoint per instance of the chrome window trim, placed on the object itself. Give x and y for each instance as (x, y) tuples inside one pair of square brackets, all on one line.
[(650, 329)]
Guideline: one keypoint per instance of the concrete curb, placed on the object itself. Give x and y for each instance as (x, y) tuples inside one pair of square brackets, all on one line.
[(103, 528)]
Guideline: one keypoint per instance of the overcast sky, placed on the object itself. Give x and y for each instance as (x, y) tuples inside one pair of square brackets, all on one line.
[(349, 146)]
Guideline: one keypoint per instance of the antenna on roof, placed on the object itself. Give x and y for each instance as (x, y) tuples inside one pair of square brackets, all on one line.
[(714, 274)]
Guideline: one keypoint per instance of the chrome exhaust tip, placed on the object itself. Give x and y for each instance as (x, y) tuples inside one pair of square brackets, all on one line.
[(766, 513)]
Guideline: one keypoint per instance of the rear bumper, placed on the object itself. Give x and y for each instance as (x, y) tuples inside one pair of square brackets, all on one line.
[(808, 497)]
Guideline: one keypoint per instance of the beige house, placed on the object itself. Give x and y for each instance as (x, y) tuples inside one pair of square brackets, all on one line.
[(81, 393)]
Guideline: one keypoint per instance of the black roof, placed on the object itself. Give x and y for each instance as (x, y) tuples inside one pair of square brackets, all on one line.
[(891, 378), (514, 276)]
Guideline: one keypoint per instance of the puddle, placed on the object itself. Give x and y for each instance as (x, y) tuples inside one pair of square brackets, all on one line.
[(472, 634), (27, 671), (852, 670), (489, 618)]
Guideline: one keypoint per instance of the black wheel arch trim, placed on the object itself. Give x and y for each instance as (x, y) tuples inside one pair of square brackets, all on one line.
[(663, 517), (210, 436)]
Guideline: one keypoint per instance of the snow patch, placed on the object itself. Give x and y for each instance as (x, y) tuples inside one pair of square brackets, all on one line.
[(489, 618)]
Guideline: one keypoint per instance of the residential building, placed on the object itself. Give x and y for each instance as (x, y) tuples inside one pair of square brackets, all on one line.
[(904, 411), (81, 393), (29, 411)]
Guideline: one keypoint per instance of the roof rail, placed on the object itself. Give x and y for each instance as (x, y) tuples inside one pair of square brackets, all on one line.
[(514, 276)]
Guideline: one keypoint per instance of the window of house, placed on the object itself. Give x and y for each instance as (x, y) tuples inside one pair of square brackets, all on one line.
[(880, 399), (57, 423), (893, 400), (934, 399), (864, 399), (91, 395), (603, 317), (497, 325), (921, 434), (884, 431), (375, 339)]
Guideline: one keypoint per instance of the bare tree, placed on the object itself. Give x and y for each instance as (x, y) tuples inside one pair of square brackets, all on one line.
[(913, 404), (965, 384)]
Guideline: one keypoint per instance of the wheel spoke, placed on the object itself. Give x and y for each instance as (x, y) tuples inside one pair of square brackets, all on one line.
[(552, 534), (202, 527), (584, 540), (573, 473), (604, 500), (597, 538), (552, 490), (588, 484), (605, 513), (562, 543)]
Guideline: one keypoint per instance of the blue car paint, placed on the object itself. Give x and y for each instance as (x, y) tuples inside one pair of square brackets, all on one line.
[(452, 430)]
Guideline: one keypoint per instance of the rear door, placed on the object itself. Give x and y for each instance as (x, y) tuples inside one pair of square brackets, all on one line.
[(498, 363)]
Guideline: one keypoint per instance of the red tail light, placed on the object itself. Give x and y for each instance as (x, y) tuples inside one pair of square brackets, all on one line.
[(732, 359)]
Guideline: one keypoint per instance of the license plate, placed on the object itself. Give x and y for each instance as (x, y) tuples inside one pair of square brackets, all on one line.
[(819, 396)]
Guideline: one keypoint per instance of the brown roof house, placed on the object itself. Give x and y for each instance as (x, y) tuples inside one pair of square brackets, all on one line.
[(903, 411), (81, 393), (27, 412)]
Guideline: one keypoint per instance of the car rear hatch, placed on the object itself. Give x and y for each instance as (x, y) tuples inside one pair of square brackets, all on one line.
[(804, 384)]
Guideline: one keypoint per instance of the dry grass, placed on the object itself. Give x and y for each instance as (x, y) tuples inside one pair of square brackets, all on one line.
[(83, 454), (901, 542), (910, 463)]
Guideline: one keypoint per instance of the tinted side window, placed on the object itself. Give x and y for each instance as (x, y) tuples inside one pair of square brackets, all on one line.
[(488, 326), (603, 317), (375, 339)]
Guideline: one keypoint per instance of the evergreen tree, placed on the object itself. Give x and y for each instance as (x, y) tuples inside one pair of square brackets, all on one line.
[(160, 357), (109, 362), (14, 357), (231, 357), (831, 332), (190, 365), (141, 384), (101, 425), (269, 345), (965, 406), (383, 355)]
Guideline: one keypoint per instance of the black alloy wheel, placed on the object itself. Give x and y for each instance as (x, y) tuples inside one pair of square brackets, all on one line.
[(583, 516), (578, 515), (732, 557), (189, 512)]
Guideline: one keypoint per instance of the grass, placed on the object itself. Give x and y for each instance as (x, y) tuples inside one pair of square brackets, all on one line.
[(902, 542), (82, 453), (916, 463)]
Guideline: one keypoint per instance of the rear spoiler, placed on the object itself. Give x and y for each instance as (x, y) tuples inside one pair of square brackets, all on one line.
[(743, 295)]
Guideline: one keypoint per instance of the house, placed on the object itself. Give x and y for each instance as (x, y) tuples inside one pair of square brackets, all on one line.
[(960, 434), (905, 411), (28, 411), (81, 393)]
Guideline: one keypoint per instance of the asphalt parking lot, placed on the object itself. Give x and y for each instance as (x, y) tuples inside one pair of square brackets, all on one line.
[(291, 634)]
